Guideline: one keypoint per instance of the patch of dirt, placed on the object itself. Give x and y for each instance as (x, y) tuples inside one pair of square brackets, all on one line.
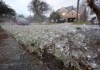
[(3, 36)]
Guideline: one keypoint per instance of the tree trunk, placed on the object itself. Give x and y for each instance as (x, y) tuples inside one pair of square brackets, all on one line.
[(95, 8), (77, 10)]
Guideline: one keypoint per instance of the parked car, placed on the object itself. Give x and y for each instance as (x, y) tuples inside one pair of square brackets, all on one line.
[(93, 19), (20, 21)]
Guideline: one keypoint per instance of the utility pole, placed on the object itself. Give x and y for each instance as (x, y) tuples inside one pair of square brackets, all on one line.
[(77, 10)]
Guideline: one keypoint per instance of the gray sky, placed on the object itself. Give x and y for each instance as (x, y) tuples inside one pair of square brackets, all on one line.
[(21, 6)]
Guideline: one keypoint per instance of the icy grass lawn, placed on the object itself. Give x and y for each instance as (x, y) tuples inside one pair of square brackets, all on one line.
[(71, 43)]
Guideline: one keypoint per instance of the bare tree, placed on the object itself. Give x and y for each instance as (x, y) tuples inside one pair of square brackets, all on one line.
[(39, 7), (95, 6)]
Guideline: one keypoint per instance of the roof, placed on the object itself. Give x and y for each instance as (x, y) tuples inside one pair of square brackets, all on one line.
[(81, 9), (70, 8)]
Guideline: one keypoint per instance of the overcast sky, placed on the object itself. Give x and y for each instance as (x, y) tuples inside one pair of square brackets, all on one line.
[(21, 6)]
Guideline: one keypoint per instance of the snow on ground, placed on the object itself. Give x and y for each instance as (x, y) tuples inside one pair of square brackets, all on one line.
[(67, 42)]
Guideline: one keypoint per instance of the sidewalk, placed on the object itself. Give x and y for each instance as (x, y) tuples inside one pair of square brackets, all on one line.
[(13, 56)]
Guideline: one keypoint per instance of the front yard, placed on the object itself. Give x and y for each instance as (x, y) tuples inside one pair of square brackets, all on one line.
[(70, 43)]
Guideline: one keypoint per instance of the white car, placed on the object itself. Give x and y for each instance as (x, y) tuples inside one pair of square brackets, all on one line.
[(22, 21), (93, 19), (19, 21)]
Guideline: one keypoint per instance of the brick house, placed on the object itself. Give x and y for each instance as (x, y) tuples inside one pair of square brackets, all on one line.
[(69, 13)]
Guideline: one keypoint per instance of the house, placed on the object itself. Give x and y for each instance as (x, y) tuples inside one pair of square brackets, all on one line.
[(69, 13)]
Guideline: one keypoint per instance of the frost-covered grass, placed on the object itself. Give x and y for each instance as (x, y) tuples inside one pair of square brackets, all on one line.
[(67, 42)]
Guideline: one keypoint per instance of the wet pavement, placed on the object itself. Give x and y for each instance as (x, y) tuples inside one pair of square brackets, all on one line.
[(14, 57)]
